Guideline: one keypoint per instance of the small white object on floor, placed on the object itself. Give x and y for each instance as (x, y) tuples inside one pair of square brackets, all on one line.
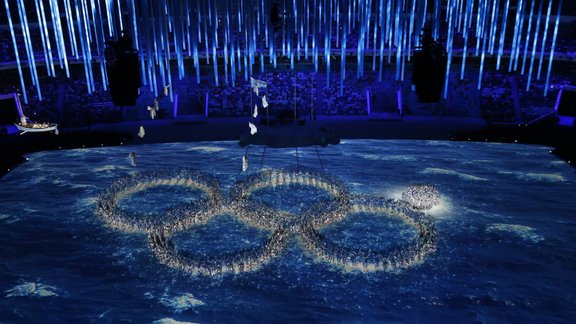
[(244, 163), (132, 157)]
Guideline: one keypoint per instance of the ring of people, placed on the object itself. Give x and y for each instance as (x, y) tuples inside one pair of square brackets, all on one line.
[(283, 226)]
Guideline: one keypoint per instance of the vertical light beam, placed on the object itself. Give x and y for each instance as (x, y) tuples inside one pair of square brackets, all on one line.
[(551, 59), (22, 84), (544, 39)]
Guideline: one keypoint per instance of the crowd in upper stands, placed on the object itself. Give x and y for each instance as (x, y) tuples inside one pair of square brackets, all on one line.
[(503, 97), (497, 98)]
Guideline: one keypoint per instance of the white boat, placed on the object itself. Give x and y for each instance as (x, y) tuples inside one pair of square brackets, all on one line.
[(26, 125), (31, 127)]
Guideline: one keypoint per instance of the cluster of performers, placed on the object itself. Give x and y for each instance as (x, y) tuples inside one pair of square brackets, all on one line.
[(422, 196)]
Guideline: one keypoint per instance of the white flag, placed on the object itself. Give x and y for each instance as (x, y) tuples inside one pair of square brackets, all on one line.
[(255, 111), (255, 84), (264, 102)]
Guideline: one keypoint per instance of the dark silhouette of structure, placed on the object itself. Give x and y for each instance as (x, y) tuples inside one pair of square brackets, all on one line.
[(123, 71), (429, 68), (567, 105), (275, 18)]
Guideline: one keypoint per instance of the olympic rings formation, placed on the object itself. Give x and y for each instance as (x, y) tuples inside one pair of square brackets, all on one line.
[(281, 224)]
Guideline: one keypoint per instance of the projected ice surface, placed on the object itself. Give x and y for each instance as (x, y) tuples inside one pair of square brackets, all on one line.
[(362, 231)]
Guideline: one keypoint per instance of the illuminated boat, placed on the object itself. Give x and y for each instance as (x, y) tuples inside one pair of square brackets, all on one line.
[(28, 126)]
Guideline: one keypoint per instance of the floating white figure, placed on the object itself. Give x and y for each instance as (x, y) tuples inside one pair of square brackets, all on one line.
[(264, 102), (255, 114), (152, 111), (244, 163), (166, 87), (255, 83), (141, 132), (132, 157), (253, 128)]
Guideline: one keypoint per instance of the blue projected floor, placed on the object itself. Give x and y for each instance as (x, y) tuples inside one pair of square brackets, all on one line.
[(503, 248)]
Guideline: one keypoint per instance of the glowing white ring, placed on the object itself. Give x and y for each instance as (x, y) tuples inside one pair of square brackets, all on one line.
[(178, 218), (242, 261), (268, 218), (403, 256)]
